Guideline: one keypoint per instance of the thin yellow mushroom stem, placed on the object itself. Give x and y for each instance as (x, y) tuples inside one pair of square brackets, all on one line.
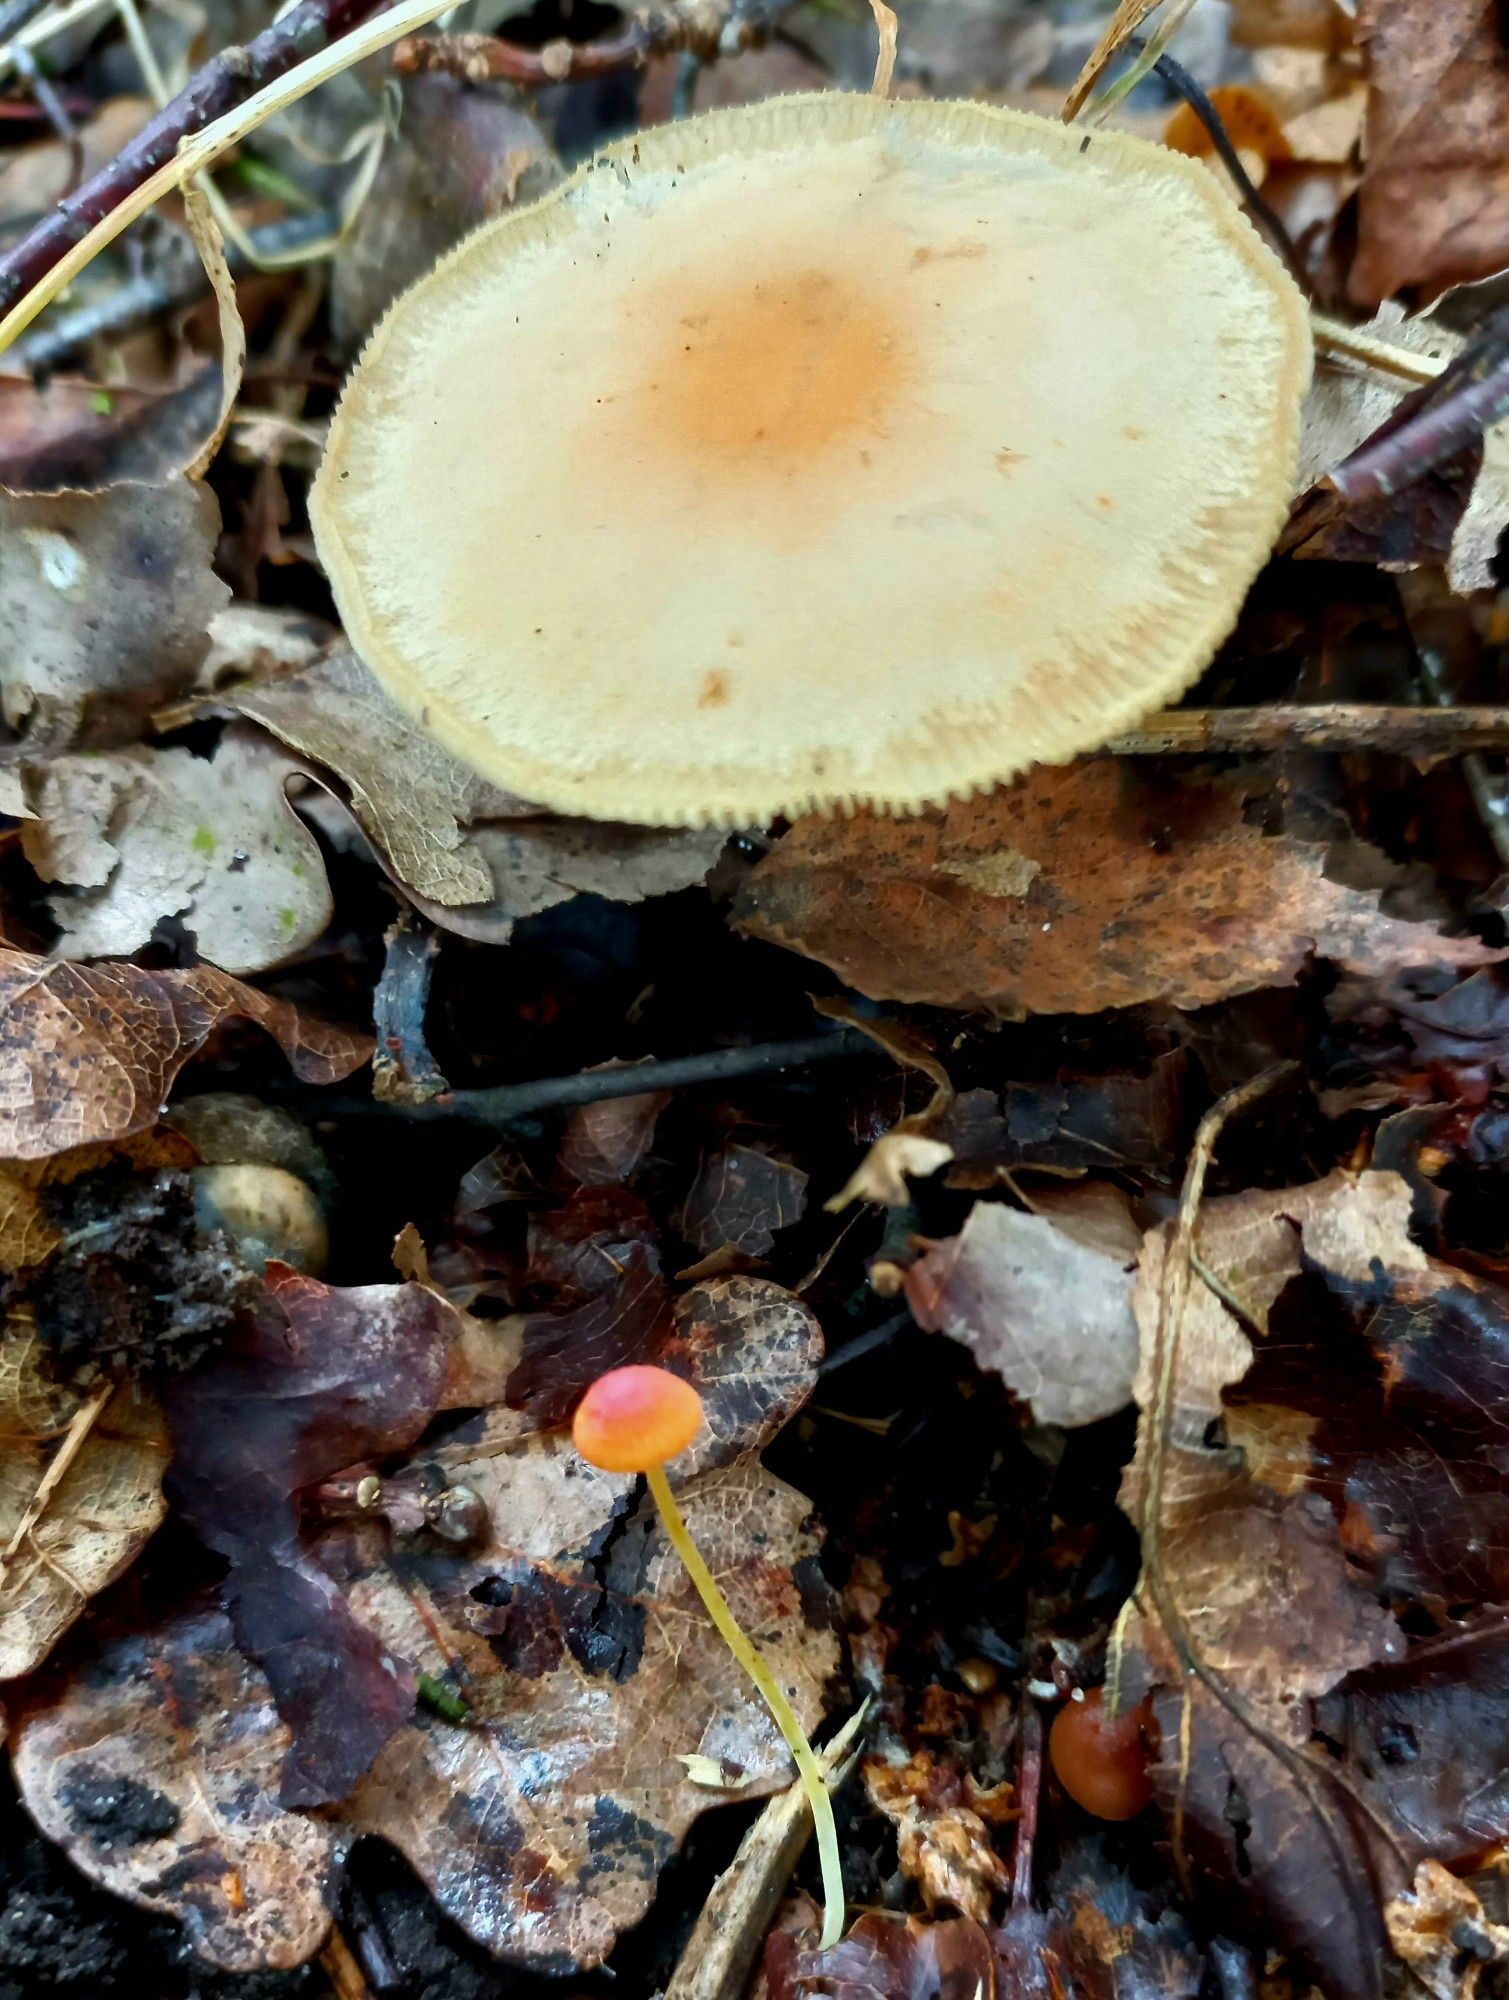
[(808, 1768)]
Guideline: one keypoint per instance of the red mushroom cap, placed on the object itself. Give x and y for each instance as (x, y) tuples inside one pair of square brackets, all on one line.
[(1101, 1759), (632, 1418)]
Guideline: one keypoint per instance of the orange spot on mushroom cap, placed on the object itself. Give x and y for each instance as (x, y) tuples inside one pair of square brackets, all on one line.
[(1101, 1759), (774, 373), (636, 1417)]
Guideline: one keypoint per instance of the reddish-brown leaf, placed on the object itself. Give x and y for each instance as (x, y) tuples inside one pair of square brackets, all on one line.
[(89, 1053), (740, 1198), (1074, 890), (1433, 208)]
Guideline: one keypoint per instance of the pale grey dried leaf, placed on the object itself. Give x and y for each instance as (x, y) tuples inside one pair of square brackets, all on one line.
[(147, 834), (177, 1723), (105, 606), (258, 641), (410, 796), (535, 863), (1048, 1312)]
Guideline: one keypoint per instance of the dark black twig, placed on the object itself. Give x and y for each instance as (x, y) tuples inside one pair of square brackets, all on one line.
[(507, 1104), (1179, 80)]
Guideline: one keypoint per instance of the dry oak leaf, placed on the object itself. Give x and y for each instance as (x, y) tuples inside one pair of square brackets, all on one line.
[(105, 606), (1433, 209), (590, 1669), (1045, 1302), (80, 1493), (1073, 890), (146, 834), (155, 1767), (89, 1053)]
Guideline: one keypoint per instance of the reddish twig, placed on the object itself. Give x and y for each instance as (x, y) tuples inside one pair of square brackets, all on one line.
[(705, 32), (1436, 422), (485, 59), (219, 87)]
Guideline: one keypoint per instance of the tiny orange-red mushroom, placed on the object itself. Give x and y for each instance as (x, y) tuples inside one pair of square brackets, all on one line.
[(633, 1418), (1100, 1759)]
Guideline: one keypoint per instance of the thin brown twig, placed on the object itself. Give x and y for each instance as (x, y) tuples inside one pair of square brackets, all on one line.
[(233, 76), (1395, 731), (1310, 1779), (74, 1440), (701, 31)]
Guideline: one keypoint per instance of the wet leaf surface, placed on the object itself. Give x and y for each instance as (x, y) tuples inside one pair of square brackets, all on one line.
[(318, 1380), (157, 1771), (115, 593)]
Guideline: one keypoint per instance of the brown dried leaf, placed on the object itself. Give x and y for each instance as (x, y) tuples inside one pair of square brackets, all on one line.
[(585, 1659), (1254, 1583), (1439, 1928), (1074, 890), (943, 1830), (750, 1347), (105, 606), (147, 834), (604, 1144), (1045, 1304), (1433, 209), (155, 1767), (409, 795), (80, 1492), (89, 1053), (740, 1198)]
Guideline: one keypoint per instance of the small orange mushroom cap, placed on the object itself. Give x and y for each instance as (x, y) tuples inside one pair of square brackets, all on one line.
[(633, 1418)]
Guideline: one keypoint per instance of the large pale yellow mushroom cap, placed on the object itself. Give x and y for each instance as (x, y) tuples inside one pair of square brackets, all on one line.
[(826, 451)]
